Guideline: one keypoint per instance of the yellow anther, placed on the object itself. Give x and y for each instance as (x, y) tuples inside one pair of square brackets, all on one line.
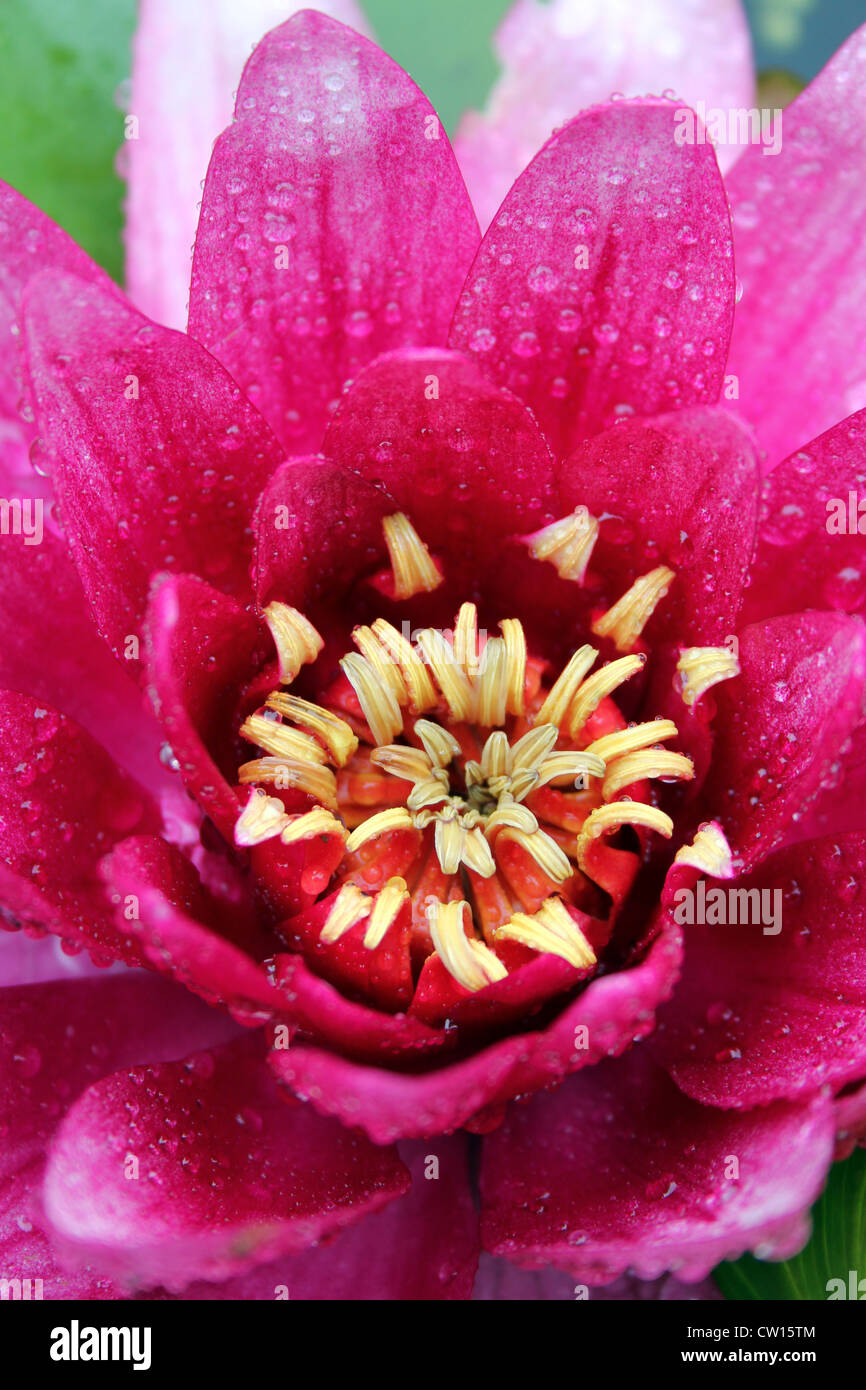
[(553, 930), (395, 818), (386, 909), (376, 699), (564, 688), (335, 733), (533, 748), (567, 544), (492, 685), (476, 854), (448, 837), (416, 677), (382, 661), (494, 755), (647, 762), (709, 852), (599, 685), (566, 766), (440, 745), (510, 813), (466, 638), (515, 661), (350, 906), (472, 964), (410, 764), (701, 667), (312, 824), (411, 562), (450, 676), (296, 640), (293, 774), (429, 792), (262, 819), (617, 814), (611, 746), (626, 620), (281, 741), (541, 847)]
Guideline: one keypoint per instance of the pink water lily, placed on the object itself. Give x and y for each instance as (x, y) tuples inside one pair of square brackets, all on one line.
[(467, 623)]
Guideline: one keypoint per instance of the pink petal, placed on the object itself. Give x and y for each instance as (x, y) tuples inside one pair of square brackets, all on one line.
[(776, 1007), (387, 1105), (617, 1170), (680, 490), (422, 1247), (462, 458), (200, 649), (204, 945), (304, 268), (187, 62), (561, 57), (800, 233), (781, 725), (232, 1174), (63, 803), (162, 480), (57, 1039), (605, 287), (498, 1279)]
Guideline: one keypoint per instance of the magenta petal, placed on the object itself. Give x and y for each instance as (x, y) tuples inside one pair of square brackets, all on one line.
[(187, 62), (776, 1007), (63, 803), (55, 1040), (617, 1170), (781, 725), (564, 56), (204, 945), (810, 551), (318, 529), (680, 490), (335, 224), (613, 1011), (422, 1247), (229, 1172), (158, 458), (200, 652), (464, 459), (800, 234), (612, 255)]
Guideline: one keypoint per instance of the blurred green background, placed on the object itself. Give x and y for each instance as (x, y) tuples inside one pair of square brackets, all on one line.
[(62, 61)]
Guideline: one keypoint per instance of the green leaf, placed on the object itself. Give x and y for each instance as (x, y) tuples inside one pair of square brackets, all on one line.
[(60, 129), (837, 1247)]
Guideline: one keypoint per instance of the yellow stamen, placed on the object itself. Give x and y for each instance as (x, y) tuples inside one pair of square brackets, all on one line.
[(334, 732), (564, 688), (262, 818), (611, 746), (448, 837), (293, 774), (701, 667), (709, 852), (515, 661), (626, 620), (452, 679), (476, 854), (382, 661), (652, 762), (312, 824), (350, 906), (566, 766), (494, 755), (533, 748), (599, 685), (395, 818), (281, 741), (429, 792), (512, 814), (296, 640), (466, 638), (422, 692), (410, 764), (567, 544), (492, 692), (386, 909), (411, 562), (440, 745), (472, 964), (616, 814), (553, 930), (381, 710), (552, 860)]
